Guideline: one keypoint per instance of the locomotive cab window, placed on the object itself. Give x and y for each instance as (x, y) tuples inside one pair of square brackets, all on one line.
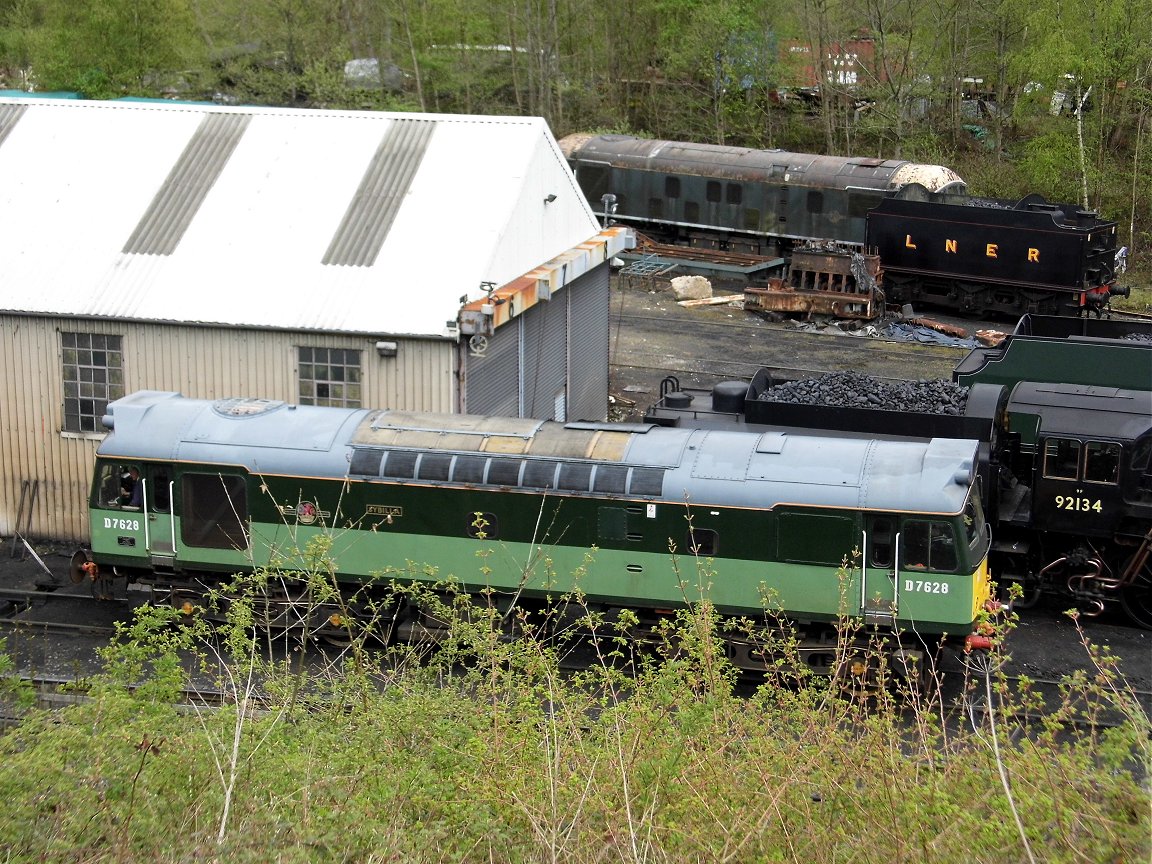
[(1062, 458), (1101, 462), (929, 546), (215, 511), (118, 486), (881, 539)]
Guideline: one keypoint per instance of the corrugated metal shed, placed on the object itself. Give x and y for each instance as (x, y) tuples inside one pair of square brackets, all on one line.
[(358, 222)]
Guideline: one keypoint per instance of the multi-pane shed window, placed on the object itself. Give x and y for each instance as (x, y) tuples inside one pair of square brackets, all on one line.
[(330, 376), (93, 377)]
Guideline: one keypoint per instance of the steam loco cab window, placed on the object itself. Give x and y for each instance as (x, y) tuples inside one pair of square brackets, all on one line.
[(1101, 462), (215, 511), (929, 546), (1062, 458)]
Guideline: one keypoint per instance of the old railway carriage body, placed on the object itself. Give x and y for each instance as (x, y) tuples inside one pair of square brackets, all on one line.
[(237, 484), (738, 198)]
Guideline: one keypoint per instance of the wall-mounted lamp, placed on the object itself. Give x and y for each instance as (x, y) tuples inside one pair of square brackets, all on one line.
[(387, 349), (551, 197)]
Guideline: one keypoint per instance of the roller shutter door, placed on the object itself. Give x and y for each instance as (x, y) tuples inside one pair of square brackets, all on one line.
[(545, 359), (588, 299), (492, 373)]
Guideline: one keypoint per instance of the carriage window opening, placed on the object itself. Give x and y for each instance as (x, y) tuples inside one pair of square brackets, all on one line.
[(735, 193), (93, 366), (655, 208), (881, 538), (435, 466), (815, 201), (482, 526), (929, 546), (329, 376), (504, 472), (469, 469), (1062, 458), (691, 211), (400, 464), (671, 187), (712, 192), (703, 542), (215, 511), (1101, 462)]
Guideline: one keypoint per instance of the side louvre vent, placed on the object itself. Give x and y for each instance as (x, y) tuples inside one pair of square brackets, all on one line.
[(192, 177), (9, 116), (373, 209)]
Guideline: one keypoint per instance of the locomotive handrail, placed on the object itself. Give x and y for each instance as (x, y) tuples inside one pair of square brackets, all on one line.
[(144, 509), (863, 571)]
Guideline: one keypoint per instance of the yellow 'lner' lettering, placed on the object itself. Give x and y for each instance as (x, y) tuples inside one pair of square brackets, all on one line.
[(1034, 256), (950, 246), (990, 250), (908, 242)]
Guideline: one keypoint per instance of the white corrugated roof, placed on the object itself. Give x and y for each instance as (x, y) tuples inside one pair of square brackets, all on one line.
[(201, 213)]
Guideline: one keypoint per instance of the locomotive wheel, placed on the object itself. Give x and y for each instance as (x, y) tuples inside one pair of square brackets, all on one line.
[(1136, 599)]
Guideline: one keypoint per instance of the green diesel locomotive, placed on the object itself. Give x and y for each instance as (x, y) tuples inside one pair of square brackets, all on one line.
[(612, 510)]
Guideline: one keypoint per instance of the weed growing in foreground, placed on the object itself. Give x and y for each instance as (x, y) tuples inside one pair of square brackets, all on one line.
[(483, 747)]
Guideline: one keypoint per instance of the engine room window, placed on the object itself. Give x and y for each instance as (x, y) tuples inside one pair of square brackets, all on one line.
[(1101, 462), (1062, 458), (735, 193), (655, 208), (712, 192), (703, 542), (93, 366), (929, 546), (329, 376), (215, 511), (813, 538), (691, 211), (671, 187), (815, 201), (752, 219), (482, 526)]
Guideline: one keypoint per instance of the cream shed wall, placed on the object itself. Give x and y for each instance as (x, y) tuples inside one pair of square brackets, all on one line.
[(202, 362)]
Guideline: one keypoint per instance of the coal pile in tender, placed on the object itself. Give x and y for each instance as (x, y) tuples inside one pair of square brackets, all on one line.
[(856, 390)]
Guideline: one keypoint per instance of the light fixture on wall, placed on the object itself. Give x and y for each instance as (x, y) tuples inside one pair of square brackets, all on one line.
[(551, 197), (387, 349)]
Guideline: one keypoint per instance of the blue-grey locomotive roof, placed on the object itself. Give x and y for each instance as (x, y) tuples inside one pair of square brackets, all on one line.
[(694, 466)]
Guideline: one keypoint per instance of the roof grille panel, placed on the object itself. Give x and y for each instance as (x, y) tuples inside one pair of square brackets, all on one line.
[(9, 116), (187, 185), (382, 190)]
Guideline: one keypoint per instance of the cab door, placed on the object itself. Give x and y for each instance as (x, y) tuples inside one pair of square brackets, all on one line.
[(878, 595), (160, 527)]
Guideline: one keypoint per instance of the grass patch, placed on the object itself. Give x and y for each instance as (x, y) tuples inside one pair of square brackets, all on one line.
[(484, 748)]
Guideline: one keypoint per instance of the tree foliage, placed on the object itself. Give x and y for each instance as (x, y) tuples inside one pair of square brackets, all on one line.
[(971, 84)]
